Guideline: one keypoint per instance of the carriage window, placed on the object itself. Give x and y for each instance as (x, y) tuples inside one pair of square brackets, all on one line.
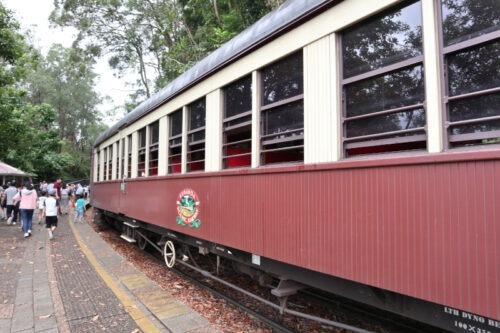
[(117, 158), (175, 142), (122, 170), (471, 49), (110, 162), (154, 135), (105, 164), (383, 84), (98, 157), (282, 111), (237, 124), (129, 156), (141, 166), (196, 136)]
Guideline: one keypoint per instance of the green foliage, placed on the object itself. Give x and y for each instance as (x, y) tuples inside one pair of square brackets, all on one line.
[(11, 43), (65, 80), (47, 106), (159, 40)]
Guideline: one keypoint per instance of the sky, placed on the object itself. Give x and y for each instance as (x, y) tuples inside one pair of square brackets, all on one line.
[(34, 15)]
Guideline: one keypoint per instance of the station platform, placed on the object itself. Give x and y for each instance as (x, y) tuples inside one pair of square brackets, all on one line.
[(77, 283)]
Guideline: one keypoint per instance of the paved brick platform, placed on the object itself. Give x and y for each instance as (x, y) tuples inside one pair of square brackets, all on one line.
[(77, 283)]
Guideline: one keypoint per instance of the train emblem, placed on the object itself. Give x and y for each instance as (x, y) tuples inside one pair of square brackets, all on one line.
[(188, 209)]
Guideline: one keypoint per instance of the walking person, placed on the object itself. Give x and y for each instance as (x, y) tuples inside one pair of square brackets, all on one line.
[(64, 200), (41, 203), (9, 193), (80, 208), (72, 198), (27, 205), (57, 187), (3, 202), (17, 201), (43, 186), (50, 210)]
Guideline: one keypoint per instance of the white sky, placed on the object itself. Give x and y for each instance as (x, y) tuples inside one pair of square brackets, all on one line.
[(34, 15)]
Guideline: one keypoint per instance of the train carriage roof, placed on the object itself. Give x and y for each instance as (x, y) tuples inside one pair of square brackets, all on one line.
[(288, 15)]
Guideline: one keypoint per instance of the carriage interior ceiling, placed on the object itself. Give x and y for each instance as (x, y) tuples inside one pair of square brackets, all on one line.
[(352, 138)]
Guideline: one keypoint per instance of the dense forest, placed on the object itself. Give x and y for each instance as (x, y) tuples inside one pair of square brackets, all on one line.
[(49, 106)]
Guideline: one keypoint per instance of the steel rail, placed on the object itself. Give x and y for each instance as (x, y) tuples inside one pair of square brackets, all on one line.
[(275, 306)]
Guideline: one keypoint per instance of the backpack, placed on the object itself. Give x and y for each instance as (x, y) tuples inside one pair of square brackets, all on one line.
[(19, 201)]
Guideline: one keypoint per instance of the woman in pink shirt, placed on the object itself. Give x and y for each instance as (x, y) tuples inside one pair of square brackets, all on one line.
[(27, 206)]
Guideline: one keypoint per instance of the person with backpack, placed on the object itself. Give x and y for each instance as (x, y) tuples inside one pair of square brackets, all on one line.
[(9, 193)]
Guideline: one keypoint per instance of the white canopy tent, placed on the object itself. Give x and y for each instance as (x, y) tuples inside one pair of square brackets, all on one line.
[(9, 173)]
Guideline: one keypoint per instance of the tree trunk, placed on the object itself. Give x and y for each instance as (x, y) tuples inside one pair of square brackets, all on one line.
[(216, 11)]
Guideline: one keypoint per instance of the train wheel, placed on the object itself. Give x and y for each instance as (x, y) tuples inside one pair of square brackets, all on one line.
[(142, 243), (169, 254)]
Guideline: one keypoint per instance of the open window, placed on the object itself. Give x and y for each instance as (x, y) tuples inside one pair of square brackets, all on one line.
[(282, 111), (141, 161), (105, 164), (196, 136), (383, 83), (175, 142), (471, 38), (98, 163), (117, 159), (154, 137), (110, 162), (122, 156), (129, 156), (237, 124)]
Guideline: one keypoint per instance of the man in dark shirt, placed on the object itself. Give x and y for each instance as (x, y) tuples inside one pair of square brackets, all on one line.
[(57, 187)]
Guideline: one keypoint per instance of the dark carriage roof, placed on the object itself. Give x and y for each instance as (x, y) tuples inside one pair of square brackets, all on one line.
[(267, 28)]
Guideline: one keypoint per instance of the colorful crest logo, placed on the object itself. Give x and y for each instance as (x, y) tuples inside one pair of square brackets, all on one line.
[(188, 209)]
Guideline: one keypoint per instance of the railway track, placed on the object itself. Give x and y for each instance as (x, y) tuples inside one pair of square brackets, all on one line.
[(274, 325), (374, 320), (335, 312)]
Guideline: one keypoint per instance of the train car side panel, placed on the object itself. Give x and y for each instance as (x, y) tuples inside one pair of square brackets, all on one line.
[(427, 230)]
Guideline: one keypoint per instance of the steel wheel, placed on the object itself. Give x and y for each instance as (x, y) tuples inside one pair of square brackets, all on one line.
[(169, 254)]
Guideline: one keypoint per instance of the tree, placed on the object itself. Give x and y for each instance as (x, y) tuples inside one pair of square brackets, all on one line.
[(16, 59), (159, 39), (47, 106), (65, 80)]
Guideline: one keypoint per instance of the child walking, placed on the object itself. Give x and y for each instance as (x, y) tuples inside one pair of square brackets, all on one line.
[(80, 208), (50, 209), (41, 203)]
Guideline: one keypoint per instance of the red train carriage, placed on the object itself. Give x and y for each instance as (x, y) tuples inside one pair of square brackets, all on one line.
[(313, 149)]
